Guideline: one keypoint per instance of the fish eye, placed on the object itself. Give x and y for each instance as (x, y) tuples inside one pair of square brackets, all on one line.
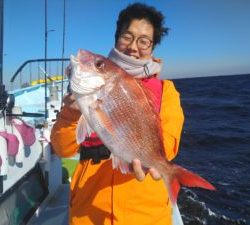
[(99, 64)]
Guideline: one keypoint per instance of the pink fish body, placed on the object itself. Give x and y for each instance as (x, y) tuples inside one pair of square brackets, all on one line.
[(121, 112)]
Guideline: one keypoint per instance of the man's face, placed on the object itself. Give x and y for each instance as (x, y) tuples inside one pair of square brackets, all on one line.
[(137, 40)]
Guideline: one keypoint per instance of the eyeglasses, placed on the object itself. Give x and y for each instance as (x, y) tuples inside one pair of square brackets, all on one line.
[(143, 43)]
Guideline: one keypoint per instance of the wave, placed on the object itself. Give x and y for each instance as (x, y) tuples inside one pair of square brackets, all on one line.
[(196, 212)]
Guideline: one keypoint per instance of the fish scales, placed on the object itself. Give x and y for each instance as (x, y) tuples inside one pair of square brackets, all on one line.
[(121, 105)]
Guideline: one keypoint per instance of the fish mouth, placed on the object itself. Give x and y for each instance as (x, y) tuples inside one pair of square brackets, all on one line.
[(88, 84), (84, 82)]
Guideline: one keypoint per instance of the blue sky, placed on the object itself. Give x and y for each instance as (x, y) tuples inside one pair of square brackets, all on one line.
[(207, 37)]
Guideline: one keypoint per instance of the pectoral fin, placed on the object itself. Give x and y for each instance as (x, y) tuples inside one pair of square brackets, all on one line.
[(83, 130), (118, 163), (103, 117)]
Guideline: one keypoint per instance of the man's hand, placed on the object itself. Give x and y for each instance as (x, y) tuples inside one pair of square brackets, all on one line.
[(140, 173), (69, 101)]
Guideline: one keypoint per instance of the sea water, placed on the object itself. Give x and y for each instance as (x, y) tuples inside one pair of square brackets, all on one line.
[(216, 144)]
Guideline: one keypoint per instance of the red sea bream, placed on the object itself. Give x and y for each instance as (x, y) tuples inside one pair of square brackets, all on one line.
[(117, 107)]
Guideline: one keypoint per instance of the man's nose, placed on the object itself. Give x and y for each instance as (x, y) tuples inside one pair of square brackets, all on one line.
[(133, 45)]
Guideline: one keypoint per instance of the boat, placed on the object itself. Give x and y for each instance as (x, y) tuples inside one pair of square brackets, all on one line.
[(31, 187)]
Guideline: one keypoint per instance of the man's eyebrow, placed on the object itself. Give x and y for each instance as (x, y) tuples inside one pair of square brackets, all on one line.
[(143, 35)]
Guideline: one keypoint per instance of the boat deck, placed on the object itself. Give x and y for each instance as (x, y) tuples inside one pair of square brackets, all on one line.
[(55, 209)]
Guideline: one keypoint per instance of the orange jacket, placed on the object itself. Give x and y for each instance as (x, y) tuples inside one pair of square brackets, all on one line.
[(101, 195)]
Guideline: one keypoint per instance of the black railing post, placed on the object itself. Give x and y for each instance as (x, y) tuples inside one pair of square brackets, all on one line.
[(45, 62), (1, 41), (63, 46)]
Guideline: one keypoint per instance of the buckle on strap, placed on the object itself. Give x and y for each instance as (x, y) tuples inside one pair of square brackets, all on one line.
[(96, 153)]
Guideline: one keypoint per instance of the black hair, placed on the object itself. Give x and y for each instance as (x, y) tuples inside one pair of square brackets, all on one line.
[(142, 11)]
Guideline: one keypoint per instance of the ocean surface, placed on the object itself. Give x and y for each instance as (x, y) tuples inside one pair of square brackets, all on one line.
[(216, 144)]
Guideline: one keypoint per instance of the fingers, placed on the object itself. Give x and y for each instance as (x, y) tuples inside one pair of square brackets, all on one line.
[(69, 100), (138, 171), (154, 174)]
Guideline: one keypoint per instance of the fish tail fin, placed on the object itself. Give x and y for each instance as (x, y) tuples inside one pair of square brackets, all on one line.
[(183, 177)]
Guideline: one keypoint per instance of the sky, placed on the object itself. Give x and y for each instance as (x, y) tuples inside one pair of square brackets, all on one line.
[(206, 38)]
